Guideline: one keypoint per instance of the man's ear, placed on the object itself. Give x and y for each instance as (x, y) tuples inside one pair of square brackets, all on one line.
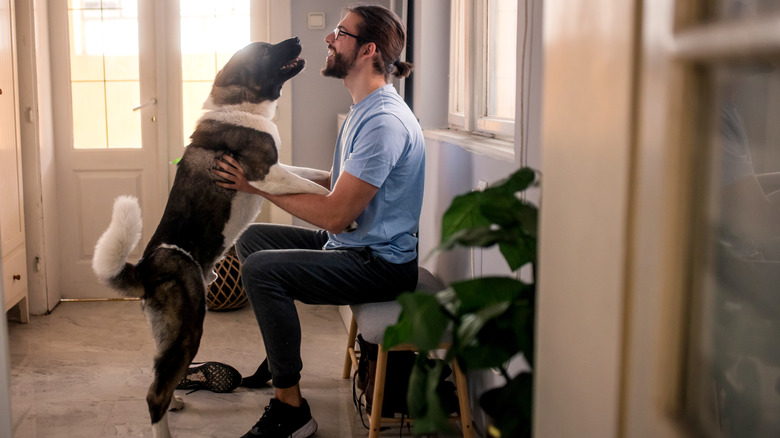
[(369, 49)]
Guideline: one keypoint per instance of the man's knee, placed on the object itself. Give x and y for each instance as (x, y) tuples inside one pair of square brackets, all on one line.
[(255, 266), (242, 249), (266, 269)]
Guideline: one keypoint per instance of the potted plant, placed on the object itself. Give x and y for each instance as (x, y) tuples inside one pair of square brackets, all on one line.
[(490, 319)]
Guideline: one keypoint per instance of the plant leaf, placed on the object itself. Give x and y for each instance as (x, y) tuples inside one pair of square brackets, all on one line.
[(464, 212), (519, 253), (478, 236), (520, 180), (494, 216), (486, 355), (477, 293), (422, 322), (472, 323), (497, 311), (424, 403), (517, 393)]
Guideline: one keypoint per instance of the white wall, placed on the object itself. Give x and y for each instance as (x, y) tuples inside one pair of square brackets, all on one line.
[(316, 100)]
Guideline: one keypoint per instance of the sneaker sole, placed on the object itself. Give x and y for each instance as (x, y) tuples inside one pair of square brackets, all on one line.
[(217, 377), (306, 430)]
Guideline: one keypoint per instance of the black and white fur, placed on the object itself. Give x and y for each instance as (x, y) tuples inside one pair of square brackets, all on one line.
[(202, 220)]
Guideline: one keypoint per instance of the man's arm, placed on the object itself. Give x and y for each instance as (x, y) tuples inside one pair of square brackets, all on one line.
[(333, 212)]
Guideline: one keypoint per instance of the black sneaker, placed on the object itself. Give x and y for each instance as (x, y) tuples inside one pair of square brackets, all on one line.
[(214, 376), (281, 420), (260, 378)]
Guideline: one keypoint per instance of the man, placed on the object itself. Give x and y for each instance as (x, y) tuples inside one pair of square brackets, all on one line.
[(376, 181)]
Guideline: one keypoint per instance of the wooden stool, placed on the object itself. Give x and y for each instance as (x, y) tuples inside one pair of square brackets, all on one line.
[(372, 319)]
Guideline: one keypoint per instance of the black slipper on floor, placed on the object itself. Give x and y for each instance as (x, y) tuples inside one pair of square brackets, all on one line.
[(259, 379), (214, 376)]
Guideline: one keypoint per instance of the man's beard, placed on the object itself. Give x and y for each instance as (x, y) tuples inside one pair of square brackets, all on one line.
[(340, 66)]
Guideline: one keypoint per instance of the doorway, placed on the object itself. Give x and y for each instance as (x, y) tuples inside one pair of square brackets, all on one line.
[(132, 77)]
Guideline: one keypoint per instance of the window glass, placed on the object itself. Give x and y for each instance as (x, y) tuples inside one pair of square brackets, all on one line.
[(211, 32), (735, 368), (458, 53), (501, 59)]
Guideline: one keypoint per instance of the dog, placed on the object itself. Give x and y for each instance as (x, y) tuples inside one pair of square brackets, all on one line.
[(201, 220)]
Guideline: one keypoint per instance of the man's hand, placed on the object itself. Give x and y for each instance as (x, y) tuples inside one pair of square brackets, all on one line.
[(231, 175)]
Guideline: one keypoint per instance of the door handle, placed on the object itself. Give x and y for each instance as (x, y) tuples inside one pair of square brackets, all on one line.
[(150, 102), (17, 277)]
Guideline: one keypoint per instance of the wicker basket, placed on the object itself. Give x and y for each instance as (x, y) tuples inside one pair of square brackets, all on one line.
[(227, 292)]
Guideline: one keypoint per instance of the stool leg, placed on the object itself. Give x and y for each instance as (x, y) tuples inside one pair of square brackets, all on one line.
[(348, 360), (463, 401), (379, 393)]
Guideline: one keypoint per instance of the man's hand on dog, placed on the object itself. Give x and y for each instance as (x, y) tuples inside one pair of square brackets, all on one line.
[(230, 175)]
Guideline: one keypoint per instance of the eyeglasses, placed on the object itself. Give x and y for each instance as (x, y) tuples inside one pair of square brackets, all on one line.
[(337, 32)]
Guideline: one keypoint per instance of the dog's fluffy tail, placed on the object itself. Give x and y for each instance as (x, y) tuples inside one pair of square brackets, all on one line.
[(114, 246)]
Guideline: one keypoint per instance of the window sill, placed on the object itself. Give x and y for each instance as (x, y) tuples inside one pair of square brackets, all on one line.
[(491, 147)]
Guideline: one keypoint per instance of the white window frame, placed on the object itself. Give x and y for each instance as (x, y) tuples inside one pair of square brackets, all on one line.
[(473, 119)]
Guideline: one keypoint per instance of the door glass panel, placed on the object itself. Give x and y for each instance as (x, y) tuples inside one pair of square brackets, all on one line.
[(122, 124), (211, 32), (735, 367), (89, 119), (104, 73)]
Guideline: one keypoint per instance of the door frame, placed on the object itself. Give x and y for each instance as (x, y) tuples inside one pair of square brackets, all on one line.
[(611, 303), (36, 135)]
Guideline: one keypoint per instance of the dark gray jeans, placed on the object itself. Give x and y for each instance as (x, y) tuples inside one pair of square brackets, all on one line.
[(282, 263)]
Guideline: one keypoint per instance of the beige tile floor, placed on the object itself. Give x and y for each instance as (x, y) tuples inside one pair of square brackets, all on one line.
[(83, 371)]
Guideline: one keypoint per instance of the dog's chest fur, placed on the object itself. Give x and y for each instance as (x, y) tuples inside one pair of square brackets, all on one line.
[(201, 218)]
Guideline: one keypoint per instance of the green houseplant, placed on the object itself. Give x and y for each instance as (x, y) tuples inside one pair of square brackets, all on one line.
[(491, 319)]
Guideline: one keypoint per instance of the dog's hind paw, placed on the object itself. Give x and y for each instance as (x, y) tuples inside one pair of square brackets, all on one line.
[(176, 404)]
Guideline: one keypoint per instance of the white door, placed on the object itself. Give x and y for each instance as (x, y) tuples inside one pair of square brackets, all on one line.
[(131, 76), (105, 67)]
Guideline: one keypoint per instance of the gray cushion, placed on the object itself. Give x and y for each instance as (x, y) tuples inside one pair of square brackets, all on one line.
[(373, 318)]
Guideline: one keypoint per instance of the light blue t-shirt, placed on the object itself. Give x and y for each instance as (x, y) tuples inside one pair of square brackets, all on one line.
[(382, 144)]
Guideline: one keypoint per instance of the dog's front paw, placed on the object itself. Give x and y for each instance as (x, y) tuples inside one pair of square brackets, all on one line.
[(176, 404), (351, 227)]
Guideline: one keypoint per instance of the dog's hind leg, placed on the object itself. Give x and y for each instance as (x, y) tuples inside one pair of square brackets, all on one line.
[(175, 354), (175, 309), (168, 371), (160, 429)]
